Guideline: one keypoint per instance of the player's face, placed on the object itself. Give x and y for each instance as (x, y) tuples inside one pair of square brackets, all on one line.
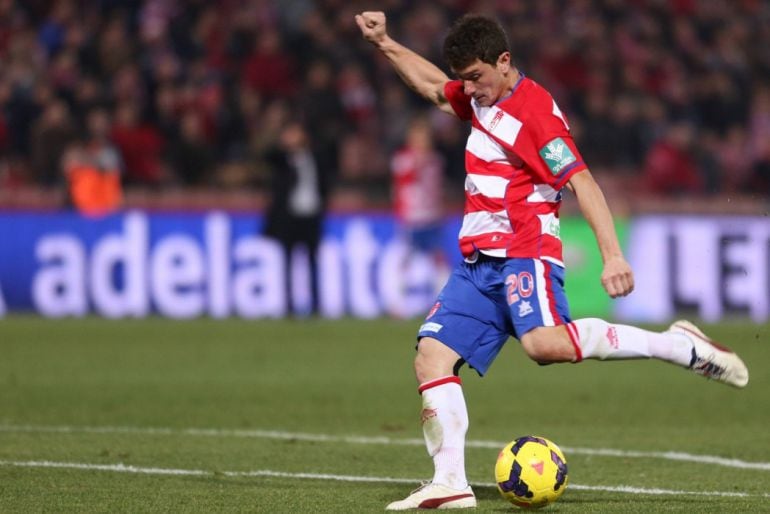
[(485, 82)]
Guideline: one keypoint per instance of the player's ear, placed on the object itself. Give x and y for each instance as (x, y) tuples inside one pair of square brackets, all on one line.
[(504, 62)]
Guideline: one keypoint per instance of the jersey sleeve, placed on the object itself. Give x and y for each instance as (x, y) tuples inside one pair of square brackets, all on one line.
[(460, 102), (546, 146)]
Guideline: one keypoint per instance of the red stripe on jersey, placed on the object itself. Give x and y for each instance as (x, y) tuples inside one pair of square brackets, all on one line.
[(479, 166), (478, 202), (526, 239), (453, 379)]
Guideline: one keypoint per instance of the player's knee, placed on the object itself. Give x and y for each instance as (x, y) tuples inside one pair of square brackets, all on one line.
[(537, 352), (427, 368), (544, 346), (422, 367), (433, 360)]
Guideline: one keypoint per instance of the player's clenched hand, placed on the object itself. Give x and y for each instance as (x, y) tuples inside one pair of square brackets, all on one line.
[(617, 277), (372, 25)]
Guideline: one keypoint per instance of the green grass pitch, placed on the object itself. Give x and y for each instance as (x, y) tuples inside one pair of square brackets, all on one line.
[(323, 416)]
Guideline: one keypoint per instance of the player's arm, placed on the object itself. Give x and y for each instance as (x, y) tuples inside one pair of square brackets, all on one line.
[(424, 77), (617, 277)]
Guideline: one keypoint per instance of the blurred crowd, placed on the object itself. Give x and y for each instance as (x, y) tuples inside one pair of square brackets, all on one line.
[(671, 95)]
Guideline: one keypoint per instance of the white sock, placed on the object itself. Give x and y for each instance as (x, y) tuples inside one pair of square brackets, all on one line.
[(596, 339), (444, 423)]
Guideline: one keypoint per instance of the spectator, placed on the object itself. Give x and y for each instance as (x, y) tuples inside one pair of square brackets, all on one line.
[(597, 131), (190, 155), (299, 187), (140, 144), (358, 96), (92, 168), (628, 70), (670, 167), (51, 134), (735, 161), (418, 186), (320, 105), (760, 178), (269, 70)]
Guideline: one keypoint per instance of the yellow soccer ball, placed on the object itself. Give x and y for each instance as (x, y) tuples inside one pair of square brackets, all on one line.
[(531, 472)]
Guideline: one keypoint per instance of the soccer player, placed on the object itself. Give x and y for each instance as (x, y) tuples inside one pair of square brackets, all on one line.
[(519, 157), (418, 187)]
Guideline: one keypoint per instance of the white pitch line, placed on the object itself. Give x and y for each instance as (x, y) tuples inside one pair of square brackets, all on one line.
[(122, 468), (382, 440)]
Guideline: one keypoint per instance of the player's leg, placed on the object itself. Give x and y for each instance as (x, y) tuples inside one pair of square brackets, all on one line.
[(460, 328), (444, 419), (540, 314), (444, 416), (539, 310), (682, 344), (593, 338)]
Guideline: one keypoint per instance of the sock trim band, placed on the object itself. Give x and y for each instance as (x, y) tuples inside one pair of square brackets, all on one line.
[(439, 381), (574, 337)]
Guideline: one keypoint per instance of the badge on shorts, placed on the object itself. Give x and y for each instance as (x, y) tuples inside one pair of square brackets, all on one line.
[(557, 155)]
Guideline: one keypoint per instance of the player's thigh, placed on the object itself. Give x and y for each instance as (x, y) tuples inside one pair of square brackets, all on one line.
[(470, 315), (535, 295)]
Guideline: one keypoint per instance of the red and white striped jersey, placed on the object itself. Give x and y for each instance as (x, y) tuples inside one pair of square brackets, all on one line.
[(518, 157), (418, 186)]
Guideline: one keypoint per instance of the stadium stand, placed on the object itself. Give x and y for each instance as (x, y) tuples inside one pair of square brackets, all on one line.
[(669, 100)]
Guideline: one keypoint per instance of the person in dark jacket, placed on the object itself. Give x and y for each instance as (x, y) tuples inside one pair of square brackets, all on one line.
[(299, 191)]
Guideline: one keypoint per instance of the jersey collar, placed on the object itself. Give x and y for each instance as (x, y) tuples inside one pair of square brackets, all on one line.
[(513, 89)]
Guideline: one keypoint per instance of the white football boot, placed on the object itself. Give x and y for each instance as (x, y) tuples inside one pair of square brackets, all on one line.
[(436, 496), (711, 359)]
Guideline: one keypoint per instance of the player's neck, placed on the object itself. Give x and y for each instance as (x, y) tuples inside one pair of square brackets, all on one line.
[(516, 76), (513, 80)]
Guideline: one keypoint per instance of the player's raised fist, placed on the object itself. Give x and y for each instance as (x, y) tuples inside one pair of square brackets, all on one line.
[(372, 25)]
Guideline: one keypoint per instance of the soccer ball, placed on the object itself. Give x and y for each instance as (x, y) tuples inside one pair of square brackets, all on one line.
[(531, 472)]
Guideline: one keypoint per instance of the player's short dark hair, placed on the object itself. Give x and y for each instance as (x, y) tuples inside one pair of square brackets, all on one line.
[(474, 37)]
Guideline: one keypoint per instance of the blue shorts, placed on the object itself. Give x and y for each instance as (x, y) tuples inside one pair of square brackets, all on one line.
[(485, 302)]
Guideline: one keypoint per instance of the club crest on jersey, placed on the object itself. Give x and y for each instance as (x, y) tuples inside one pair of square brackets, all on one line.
[(501, 125), (495, 120), (557, 155)]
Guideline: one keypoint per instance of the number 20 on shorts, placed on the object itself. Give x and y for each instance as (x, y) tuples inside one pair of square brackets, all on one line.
[(518, 285)]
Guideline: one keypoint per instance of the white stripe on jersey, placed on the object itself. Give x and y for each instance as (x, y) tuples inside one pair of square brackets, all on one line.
[(549, 224), (489, 169), (542, 294), (489, 186), (483, 222), (544, 193), (485, 148), (499, 123), (557, 112), (500, 252), (553, 261)]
